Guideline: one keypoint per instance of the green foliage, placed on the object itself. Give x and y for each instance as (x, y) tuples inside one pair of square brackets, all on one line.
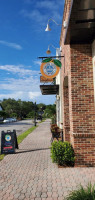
[(57, 62), (30, 114), (22, 109), (83, 193), (1, 157), (50, 111), (41, 106), (13, 115), (17, 108), (53, 119), (2, 113), (62, 153), (46, 60)]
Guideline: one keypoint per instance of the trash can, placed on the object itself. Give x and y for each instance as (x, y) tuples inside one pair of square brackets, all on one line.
[(8, 142)]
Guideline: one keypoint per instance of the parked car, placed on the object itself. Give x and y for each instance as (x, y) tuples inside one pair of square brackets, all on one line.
[(11, 120), (14, 119), (7, 120)]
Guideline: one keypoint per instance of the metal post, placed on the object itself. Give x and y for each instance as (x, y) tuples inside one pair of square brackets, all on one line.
[(35, 114), (62, 134)]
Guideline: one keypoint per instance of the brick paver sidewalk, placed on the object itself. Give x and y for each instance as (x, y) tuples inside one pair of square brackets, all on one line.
[(30, 174)]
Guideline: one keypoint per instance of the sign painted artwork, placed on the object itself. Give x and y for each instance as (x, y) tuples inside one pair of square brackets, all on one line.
[(50, 68), (45, 80), (8, 142)]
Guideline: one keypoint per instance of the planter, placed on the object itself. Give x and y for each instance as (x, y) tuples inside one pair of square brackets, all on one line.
[(55, 130)]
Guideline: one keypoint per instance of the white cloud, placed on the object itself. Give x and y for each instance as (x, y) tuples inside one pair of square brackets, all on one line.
[(27, 96), (33, 95), (19, 69), (43, 10), (35, 15), (37, 62), (48, 5), (20, 88), (15, 95), (9, 44), (24, 87), (45, 3), (27, 84), (30, 96)]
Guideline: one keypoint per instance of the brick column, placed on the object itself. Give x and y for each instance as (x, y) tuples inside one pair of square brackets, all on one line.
[(66, 112), (83, 110)]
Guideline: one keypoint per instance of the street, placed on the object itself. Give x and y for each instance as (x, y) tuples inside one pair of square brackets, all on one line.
[(19, 126)]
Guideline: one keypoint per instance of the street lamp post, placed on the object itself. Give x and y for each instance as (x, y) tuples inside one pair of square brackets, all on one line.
[(41, 113), (35, 114)]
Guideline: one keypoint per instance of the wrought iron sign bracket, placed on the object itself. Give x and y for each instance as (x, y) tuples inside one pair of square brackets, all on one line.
[(50, 57)]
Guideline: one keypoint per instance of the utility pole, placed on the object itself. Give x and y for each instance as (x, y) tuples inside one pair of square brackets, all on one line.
[(35, 114)]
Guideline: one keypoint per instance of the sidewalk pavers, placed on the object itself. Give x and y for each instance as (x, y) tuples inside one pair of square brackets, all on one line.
[(30, 174)]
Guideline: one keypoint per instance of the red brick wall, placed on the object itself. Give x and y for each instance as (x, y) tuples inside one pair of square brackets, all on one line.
[(83, 111)]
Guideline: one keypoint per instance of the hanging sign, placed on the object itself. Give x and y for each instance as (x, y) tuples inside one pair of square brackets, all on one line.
[(50, 68), (45, 80)]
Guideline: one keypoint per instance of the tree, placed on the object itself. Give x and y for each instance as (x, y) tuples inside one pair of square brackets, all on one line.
[(23, 109), (50, 110)]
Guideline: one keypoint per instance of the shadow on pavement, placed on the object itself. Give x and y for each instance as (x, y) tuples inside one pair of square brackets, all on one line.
[(23, 150), (15, 123)]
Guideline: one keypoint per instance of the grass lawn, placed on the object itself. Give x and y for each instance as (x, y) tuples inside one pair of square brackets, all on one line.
[(20, 138), (82, 193)]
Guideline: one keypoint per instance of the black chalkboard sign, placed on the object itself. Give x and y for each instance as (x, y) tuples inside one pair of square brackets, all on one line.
[(8, 142)]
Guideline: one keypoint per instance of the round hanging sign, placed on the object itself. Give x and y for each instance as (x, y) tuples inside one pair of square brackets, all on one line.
[(49, 69)]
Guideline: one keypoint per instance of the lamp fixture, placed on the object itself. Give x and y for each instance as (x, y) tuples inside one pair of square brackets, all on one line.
[(48, 27), (48, 50)]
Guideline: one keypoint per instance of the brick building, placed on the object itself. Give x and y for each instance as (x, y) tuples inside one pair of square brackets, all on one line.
[(78, 78)]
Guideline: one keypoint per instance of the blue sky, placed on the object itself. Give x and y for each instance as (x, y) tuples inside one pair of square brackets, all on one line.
[(22, 40)]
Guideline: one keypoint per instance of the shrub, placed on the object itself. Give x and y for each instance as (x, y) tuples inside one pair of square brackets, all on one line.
[(53, 119), (62, 153), (83, 194)]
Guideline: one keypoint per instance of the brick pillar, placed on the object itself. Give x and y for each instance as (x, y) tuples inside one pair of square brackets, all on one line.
[(83, 110), (66, 112)]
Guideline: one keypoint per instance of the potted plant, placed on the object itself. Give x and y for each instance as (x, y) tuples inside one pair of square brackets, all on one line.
[(55, 130)]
